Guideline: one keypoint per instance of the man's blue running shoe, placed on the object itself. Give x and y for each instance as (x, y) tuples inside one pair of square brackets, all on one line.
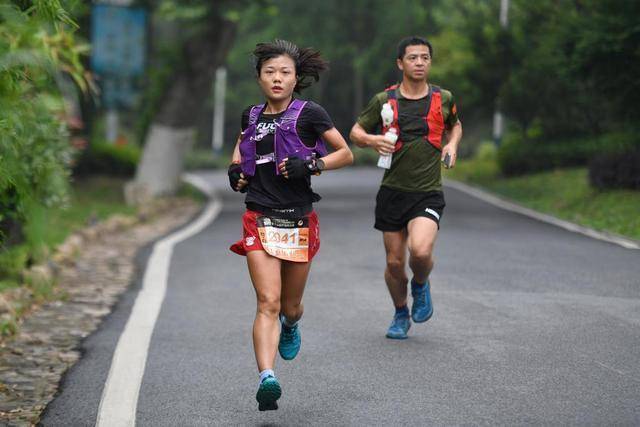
[(422, 308), (268, 394), (290, 341), (399, 326)]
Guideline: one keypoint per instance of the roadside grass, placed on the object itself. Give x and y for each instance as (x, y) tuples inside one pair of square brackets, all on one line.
[(204, 158), (92, 200), (564, 193)]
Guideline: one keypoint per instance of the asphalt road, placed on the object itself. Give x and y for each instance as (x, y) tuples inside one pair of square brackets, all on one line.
[(533, 325)]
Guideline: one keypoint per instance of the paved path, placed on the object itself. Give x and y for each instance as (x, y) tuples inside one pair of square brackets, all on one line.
[(533, 325)]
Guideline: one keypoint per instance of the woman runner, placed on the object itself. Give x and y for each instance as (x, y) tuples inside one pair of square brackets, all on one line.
[(281, 145)]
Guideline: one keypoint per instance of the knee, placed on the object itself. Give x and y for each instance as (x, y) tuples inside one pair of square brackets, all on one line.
[(269, 305), (395, 266), (422, 255), (292, 311)]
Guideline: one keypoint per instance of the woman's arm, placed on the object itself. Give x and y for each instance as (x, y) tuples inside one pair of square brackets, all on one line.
[(341, 156), (236, 158), (237, 179)]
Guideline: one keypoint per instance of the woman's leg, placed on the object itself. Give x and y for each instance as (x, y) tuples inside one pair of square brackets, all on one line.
[(265, 272), (294, 278)]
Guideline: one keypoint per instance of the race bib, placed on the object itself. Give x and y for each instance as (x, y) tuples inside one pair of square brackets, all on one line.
[(287, 239)]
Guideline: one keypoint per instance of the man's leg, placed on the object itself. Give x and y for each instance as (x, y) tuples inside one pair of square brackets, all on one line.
[(421, 240), (395, 244)]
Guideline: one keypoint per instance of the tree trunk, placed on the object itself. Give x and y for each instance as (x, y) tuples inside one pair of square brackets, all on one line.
[(11, 232), (358, 91), (172, 131)]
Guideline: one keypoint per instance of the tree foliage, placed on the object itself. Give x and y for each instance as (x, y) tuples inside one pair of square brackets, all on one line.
[(37, 45), (562, 69)]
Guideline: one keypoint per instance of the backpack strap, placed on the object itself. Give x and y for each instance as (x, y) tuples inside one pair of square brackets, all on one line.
[(435, 119), (254, 114), (293, 110), (392, 99)]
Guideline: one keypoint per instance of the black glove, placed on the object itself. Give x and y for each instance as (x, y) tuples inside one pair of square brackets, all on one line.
[(298, 168), (234, 176)]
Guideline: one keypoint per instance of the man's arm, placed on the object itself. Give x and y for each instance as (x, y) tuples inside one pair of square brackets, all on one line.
[(453, 140), (368, 120), (363, 139)]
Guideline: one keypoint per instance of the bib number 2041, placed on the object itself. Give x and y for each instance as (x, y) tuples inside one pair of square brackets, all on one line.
[(287, 239)]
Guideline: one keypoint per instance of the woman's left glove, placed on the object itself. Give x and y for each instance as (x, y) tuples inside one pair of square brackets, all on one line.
[(295, 167)]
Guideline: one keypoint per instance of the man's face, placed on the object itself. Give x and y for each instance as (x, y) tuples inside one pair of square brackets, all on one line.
[(415, 63)]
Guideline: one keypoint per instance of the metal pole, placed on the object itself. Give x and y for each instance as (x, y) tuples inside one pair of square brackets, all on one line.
[(112, 127), (218, 110), (498, 121), (504, 13)]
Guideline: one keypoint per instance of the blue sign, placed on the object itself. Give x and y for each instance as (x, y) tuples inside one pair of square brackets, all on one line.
[(118, 38)]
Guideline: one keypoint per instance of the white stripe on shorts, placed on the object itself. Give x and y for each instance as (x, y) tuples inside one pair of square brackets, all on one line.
[(432, 212)]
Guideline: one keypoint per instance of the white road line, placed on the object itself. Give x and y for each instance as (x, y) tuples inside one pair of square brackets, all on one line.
[(120, 395), (496, 201)]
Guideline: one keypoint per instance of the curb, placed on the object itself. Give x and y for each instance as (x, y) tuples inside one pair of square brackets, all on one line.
[(569, 226)]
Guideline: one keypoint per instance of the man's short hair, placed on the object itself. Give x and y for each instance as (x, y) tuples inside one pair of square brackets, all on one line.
[(412, 41)]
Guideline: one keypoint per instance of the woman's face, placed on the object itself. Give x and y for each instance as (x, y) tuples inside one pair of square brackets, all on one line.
[(277, 78)]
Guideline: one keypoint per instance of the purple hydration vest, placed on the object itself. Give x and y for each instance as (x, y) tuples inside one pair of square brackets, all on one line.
[(286, 143)]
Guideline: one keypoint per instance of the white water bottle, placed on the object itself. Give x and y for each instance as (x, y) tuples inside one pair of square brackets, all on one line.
[(385, 159), (386, 114)]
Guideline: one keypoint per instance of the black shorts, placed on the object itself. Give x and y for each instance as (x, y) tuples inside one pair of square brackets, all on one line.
[(395, 208)]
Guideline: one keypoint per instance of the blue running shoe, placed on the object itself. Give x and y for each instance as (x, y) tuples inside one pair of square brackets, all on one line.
[(422, 308), (290, 341), (268, 394), (399, 326)]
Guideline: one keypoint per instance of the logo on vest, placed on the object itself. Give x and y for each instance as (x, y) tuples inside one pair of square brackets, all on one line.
[(263, 129)]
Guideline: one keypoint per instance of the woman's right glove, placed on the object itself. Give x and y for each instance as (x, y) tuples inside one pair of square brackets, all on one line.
[(237, 181)]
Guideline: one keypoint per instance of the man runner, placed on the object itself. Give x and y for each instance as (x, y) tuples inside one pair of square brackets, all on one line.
[(410, 201)]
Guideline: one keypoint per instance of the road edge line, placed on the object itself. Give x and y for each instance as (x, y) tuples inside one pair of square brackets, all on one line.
[(549, 219), (119, 401)]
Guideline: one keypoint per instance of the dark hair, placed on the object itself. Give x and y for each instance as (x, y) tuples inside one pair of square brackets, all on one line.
[(308, 61), (413, 41)]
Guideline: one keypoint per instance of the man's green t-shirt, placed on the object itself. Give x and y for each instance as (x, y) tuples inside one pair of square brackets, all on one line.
[(416, 166)]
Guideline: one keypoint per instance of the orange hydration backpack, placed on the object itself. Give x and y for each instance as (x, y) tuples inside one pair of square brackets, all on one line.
[(434, 117)]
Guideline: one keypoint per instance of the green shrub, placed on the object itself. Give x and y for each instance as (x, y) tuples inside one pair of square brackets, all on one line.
[(518, 156), (35, 154), (616, 170), (12, 262), (102, 158), (36, 43), (487, 150)]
